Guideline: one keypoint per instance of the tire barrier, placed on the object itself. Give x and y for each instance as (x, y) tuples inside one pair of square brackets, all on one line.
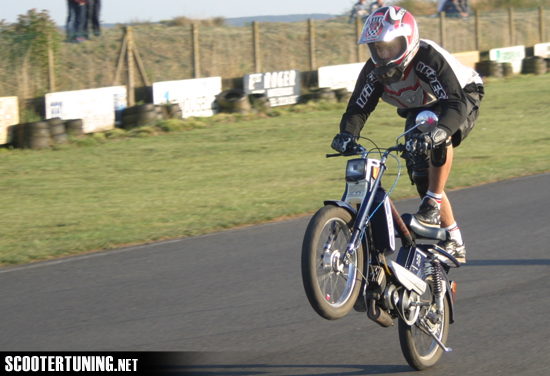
[(35, 135), (489, 68), (317, 95), (260, 102), (74, 127), (234, 101), (58, 131), (325, 94), (534, 65), (507, 70), (138, 115), (343, 95)]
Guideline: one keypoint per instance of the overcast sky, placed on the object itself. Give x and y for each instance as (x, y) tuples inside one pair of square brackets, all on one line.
[(121, 11)]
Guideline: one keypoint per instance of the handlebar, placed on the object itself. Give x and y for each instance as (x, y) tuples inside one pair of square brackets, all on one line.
[(359, 150)]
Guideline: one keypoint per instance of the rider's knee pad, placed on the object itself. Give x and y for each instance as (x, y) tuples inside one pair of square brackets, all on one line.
[(418, 173)]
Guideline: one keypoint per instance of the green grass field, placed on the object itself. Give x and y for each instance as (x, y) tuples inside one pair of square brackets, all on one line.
[(133, 190)]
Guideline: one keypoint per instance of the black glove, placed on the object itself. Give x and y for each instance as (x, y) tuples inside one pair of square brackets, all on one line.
[(421, 143), (343, 142)]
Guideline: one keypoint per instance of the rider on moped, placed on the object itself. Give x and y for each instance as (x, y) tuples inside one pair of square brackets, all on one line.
[(415, 75)]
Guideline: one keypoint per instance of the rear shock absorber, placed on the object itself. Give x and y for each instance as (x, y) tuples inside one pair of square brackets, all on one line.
[(434, 269)]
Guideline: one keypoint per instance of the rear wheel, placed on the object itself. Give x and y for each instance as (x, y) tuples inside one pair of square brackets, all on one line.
[(331, 286), (419, 348)]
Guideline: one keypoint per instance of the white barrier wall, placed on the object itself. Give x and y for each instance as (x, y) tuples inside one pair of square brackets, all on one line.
[(281, 88), (195, 97), (514, 55), (542, 50), (340, 76), (96, 107), (9, 116)]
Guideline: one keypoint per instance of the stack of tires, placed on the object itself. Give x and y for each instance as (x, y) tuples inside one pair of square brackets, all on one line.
[(35, 135), (234, 101), (343, 95), (74, 127), (489, 68), (534, 65), (507, 70), (58, 132), (325, 94), (138, 115), (260, 102)]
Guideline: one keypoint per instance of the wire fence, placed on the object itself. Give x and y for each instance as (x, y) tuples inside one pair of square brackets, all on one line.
[(169, 52)]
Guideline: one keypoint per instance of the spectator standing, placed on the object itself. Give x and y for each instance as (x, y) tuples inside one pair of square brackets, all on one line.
[(91, 20), (360, 9), (455, 8), (375, 5), (75, 20)]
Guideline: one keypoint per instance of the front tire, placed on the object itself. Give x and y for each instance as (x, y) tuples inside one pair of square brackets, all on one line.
[(420, 350), (331, 287)]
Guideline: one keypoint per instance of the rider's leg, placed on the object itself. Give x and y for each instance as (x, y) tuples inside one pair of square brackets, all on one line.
[(438, 179)]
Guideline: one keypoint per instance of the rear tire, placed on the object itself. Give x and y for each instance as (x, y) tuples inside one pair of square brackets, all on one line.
[(419, 348), (332, 292)]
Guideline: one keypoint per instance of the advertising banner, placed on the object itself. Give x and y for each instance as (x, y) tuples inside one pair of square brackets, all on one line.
[(281, 88), (9, 116), (340, 76), (542, 50), (514, 55), (98, 108), (195, 96)]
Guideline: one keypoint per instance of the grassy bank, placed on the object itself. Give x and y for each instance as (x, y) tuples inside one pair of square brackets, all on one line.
[(140, 189)]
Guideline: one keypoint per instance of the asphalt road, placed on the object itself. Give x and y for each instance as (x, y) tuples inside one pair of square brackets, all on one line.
[(236, 299)]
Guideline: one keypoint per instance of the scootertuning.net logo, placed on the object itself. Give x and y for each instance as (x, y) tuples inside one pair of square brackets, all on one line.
[(66, 363)]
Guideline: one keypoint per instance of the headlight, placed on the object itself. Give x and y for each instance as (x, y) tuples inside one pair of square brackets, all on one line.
[(356, 169)]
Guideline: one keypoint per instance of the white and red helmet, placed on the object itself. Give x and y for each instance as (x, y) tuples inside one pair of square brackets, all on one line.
[(384, 25)]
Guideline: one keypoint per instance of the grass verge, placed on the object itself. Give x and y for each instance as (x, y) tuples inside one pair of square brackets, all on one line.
[(219, 173)]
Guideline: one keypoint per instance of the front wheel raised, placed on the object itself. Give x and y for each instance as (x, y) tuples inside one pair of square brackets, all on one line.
[(331, 286)]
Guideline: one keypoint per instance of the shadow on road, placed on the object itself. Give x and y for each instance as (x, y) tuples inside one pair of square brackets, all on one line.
[(508, 262)]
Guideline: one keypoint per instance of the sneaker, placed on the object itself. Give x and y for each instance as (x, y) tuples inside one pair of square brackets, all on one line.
[(428, 214), (458, 251)]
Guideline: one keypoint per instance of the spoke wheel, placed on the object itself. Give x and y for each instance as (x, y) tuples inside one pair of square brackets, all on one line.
[(331, 286), (419, 348)]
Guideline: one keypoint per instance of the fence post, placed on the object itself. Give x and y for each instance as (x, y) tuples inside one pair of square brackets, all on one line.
[(130, 85), (478, 31), (511, 25), (256, 46), (541, 24), (358, 30), (442, 28), (51, 65), (311, 28), (196, 53)]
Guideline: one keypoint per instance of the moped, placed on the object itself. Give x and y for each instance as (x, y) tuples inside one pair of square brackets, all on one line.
[(346, 265)]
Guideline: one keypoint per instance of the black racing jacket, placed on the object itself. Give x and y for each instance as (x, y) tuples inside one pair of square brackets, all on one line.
[(433, 78)]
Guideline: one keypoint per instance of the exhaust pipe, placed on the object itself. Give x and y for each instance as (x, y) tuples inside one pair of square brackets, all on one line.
[(377, 315)]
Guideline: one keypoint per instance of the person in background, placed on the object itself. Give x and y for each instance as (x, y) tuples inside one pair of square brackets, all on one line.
[(91, 20), (75, 20), (455, 8), (414, 75), (360, 9), (375, 5)]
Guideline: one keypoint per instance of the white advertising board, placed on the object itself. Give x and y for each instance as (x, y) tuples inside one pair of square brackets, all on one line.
[(96, 107), (195, 96), (514, 55), (281, 88), (542, 50), (9, 116), (340, 76)]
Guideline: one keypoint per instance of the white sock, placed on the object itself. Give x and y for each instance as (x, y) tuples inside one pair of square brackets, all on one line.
[(454, 233), (436, 196)]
